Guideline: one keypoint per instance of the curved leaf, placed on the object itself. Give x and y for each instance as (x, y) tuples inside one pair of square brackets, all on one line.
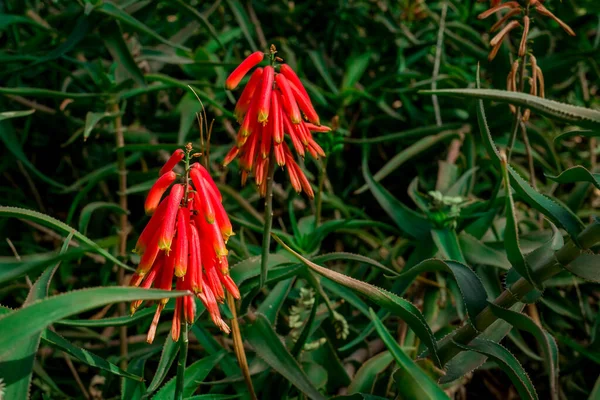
[(367, 373), (551, 209), (406, 219), (420, 385), (476, 252), (14, 114), (511, 231), (545, 340), (267, 345), (56, 224), (21, 324), (507, 362), (585, 117), (412, 151), (471, 288), (577, 174), (397, 305)]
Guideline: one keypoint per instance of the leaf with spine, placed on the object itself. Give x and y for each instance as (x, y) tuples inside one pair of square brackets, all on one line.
[(317, 60), (113, 11), (168, 355), (357, 65), (250, 267), (397, 305), (507, 362), (408, 134), (50, 222), (467, 361), (477, 252), (267, 345), (200, 18), (551, 209), (23, 323), (7, 20), (344, 256), (86, 212), (417, 382), (586, 266), (406, 154), (577, 174), (545, 340), (369, 371), (511, 232), (58, 342), (10, 140), (127, 67), (584, 117), (473, 293), (347, 294), (406, 219), (16, 367), (194, 375), (126, 320)]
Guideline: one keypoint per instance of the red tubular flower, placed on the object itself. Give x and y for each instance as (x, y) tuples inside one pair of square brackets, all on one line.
[(157, 190), (181, 242), (305, 105), (277, 127), (264, 97), (168, 228), (315, 128), (199, 229), (291, 76), (244, 102), (195, 261), (202, 197), (289, 103), (238, 74), (175, 158)]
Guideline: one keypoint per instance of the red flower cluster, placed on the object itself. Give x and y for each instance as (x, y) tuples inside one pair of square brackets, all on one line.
[(185, 238), (271, 105)]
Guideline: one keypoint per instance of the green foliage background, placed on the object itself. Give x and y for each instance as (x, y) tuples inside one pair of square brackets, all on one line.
[(441, 195)]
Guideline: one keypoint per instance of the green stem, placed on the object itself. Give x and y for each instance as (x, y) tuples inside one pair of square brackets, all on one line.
[(183, 349), (266, 243), (565, 255)]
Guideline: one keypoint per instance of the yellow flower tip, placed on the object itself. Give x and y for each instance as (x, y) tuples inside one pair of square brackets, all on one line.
[(263, 116)]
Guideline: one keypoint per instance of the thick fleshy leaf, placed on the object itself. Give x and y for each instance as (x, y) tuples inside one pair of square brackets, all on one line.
[(126, 320), (130, 389), (169, 352), (397, 305), (417, 382), (507, 362), (16, 367), (586, 266), (476, 252), (126, 66), (511, 232), (56, 224), (58, 342), (23, 323), (471, 288), (584, 117), (559, 214), (15, 114), (545, 340), (406, 219), (447, 244), (272, 303), (577, 174), (267, 345)]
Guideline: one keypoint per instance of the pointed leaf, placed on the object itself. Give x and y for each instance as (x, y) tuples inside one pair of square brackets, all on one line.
[(421, 385), (584, 117), (86, 212), (397, 305), (367, 373), (577, 174), (586, 266), (268, 346), (544, 339), (507, 362), (50, 222)]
